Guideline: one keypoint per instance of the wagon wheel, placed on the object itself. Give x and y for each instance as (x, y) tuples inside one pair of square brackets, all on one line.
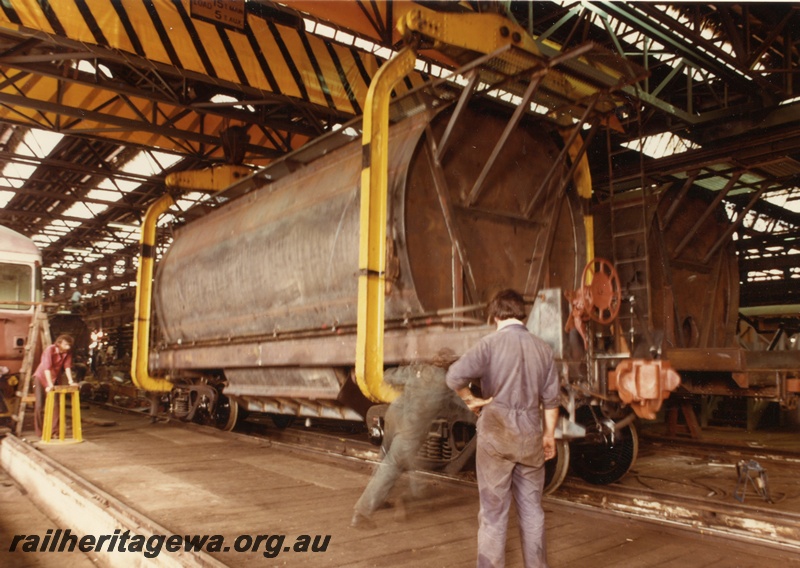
[(227, 414), (602, 294), (282, 421), (555, 470), (601, 458), (223, 415)]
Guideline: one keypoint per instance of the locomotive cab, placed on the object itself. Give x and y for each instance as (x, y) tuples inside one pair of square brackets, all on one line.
[(20, 288)]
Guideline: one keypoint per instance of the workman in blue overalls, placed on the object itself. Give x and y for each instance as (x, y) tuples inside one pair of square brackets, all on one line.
[(408, 420), (517, 374)]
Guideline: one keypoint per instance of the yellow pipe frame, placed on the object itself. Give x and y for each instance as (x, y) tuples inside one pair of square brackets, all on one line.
[(140, 372), (582, 178), (211, 179), (372, 236), (480, 32), (477, 32)]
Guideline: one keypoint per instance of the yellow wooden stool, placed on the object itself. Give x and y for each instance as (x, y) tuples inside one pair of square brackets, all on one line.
[(49, 407)]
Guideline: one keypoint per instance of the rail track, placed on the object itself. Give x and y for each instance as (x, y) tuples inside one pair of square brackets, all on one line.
[(681, 483)]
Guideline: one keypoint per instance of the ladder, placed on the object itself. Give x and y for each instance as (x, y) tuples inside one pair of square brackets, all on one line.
[(630, 219), (39, 329)]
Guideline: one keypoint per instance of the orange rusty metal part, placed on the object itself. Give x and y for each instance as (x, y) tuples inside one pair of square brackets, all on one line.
[(644, 384), (597, 299)]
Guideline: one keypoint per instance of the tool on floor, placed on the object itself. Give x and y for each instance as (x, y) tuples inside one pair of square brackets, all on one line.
[(751, 472)]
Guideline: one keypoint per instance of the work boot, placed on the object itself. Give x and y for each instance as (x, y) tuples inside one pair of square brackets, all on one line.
[(362, 522)]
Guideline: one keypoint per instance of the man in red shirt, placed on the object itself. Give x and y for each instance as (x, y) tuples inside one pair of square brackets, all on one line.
[(56, 359)]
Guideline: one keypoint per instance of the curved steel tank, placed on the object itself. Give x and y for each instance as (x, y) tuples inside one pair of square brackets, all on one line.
[(697, 269), (284, 258)]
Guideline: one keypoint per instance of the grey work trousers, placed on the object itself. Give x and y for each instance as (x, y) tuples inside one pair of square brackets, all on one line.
[(400, 457), (498, 479)]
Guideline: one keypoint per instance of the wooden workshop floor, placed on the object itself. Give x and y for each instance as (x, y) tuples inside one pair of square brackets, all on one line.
[(198, 481)]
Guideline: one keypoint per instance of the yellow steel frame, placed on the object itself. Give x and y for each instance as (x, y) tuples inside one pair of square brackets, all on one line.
[(478, 32), (213, 179), (582, 179), (482, 33), (140, 373), (372, 238)]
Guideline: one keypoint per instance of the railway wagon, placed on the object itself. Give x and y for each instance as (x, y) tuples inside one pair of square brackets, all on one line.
[(20, 286), (257, 301)]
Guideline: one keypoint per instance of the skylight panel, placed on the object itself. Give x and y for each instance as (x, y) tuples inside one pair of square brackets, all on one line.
[(655, 49), (150, 163), (191, 199), (227, 100), (115, 188), (344, 37), (17, 173), (109, 246), (364, 44), (103, 195), (38, 143), (126, 233), (88, 67), (43, 240), (661, 145), (5, 197), (384, 53), (83, 210), (57, 229), (164, 160), (324, 31), (166, 220), (124, 227), (783, 200), (219, 98), (140, 164), (119, 268)]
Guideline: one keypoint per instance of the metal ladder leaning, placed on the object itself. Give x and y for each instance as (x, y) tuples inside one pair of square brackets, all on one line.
[(39, 328), (629, 245)]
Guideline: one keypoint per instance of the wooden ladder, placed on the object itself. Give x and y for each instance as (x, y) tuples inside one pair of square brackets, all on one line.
[(38, 330)]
